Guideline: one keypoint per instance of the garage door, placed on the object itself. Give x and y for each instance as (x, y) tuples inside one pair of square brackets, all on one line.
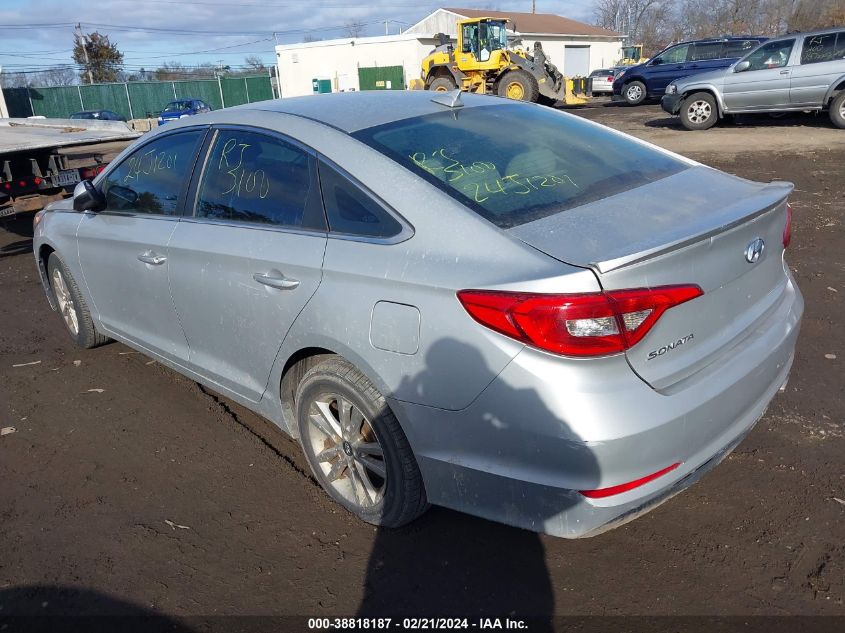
[(381, 78), (576, 61)]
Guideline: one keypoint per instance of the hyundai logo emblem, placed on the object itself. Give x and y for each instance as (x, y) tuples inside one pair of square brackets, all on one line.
[(754, 250)]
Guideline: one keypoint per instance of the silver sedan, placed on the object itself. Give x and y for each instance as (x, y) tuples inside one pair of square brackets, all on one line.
[(459, 300)]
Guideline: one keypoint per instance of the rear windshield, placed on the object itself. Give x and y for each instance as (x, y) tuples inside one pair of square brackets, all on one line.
[(517, 163)]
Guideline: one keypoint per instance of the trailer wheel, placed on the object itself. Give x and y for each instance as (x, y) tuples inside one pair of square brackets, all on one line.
[(518, 85), (442, 84)]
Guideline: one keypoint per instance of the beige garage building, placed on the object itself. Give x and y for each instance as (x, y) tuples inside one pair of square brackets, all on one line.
[(389, 62)]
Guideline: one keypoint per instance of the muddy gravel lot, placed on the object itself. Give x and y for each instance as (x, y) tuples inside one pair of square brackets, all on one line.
[(128, 488)]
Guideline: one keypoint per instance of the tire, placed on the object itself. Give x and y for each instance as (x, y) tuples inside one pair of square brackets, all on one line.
[(366, 465), (699, 111), (518, 85), (837, 110), (72, 307), (634, 92), (442, 84)]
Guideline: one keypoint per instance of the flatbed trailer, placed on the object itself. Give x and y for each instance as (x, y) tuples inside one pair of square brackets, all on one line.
[(42, 160)]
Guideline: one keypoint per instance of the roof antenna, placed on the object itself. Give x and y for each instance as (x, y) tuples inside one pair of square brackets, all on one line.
[(449, 99)]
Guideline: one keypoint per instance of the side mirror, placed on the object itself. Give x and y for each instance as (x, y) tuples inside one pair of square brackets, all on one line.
[(124, 197), (742, 66), (655, 62), (86, 197)]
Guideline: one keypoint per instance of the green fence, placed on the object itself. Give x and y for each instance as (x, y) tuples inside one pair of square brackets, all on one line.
[(135, 100)]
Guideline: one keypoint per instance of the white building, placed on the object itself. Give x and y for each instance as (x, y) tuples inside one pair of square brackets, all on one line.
[(391, 61)]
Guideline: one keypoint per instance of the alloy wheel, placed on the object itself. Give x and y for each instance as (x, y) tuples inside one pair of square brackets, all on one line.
[(699, 111), (65, 301), (634, 92), (347, 450)]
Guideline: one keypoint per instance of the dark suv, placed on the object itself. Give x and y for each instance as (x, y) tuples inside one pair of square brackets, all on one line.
[(637, 83)]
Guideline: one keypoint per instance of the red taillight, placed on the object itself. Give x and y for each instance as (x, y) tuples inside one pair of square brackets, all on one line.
[(787, 230), (36, 181), (600, 493), (593, 324), (22, 183), (7, 185)]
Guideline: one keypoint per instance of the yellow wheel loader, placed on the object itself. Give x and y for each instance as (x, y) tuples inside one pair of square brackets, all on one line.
[(483, 62)]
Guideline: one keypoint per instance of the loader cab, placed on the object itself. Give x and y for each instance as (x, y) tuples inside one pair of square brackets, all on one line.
[(481, 42)]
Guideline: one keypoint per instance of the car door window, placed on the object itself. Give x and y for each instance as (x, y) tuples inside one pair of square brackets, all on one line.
[(771, 55), (261, 179), (819, 48), (706, 50), (840, 46), (676, 55), (738, 48), (151, 179), (351, 211)]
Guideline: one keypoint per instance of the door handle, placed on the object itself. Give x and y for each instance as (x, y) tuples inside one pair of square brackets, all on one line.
[(275, 279), (784, 72), (150, 257)]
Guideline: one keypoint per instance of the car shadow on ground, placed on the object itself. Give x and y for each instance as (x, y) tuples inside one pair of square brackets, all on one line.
[(20, 225), (51, 608), (450, 564), (752, 121)]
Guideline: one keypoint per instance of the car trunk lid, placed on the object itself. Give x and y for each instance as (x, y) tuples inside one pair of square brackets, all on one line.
[(693, 227)]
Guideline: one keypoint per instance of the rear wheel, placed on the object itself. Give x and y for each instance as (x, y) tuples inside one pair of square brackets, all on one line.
[(442, 84), (519, 86), (837, 110), (72, 306), (698, 111), (355, 446), (634, 93)]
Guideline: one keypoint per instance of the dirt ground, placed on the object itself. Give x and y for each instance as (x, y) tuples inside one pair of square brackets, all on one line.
[(126, 486)]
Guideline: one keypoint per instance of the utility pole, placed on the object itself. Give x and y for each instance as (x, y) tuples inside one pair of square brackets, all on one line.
[(533, 6), (84, 39)]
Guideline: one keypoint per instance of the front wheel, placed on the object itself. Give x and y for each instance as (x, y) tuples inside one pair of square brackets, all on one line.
[(71, 305), (442, 84), (699, 112), (355, 446), (837, 110), (519, 86), (634, 93)]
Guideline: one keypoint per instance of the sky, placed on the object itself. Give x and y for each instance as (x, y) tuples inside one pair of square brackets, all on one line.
[(37, 34)]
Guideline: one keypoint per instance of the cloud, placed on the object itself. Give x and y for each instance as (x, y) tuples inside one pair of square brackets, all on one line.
[(189, 33)]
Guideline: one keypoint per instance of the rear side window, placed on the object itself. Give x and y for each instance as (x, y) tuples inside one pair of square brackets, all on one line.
[(515, 163), (351, 211), (707, 50), (251, 177), (151, 178), (819, 48), (738, 48)]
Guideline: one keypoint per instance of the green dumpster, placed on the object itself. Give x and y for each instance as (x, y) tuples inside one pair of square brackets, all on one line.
[(321, 86)]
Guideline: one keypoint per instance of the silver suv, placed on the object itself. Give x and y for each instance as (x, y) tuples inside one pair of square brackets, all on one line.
[(801, 71)]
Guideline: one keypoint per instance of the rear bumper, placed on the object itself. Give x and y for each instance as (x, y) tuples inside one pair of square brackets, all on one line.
[(671, 103), (546, 428)]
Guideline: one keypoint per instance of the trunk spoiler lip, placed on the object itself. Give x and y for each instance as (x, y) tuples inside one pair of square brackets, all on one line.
[(768, 197)]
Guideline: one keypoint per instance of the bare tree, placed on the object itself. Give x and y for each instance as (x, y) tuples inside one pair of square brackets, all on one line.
[(646, 22), (354, 29), (254, 64), (58, 76), (310, 37)]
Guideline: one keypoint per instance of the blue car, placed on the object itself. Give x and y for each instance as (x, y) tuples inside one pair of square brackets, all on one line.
[(649, 80), (181, 108)]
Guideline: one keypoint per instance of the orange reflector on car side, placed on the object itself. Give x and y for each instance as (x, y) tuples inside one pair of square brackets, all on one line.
[(600, 493)]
